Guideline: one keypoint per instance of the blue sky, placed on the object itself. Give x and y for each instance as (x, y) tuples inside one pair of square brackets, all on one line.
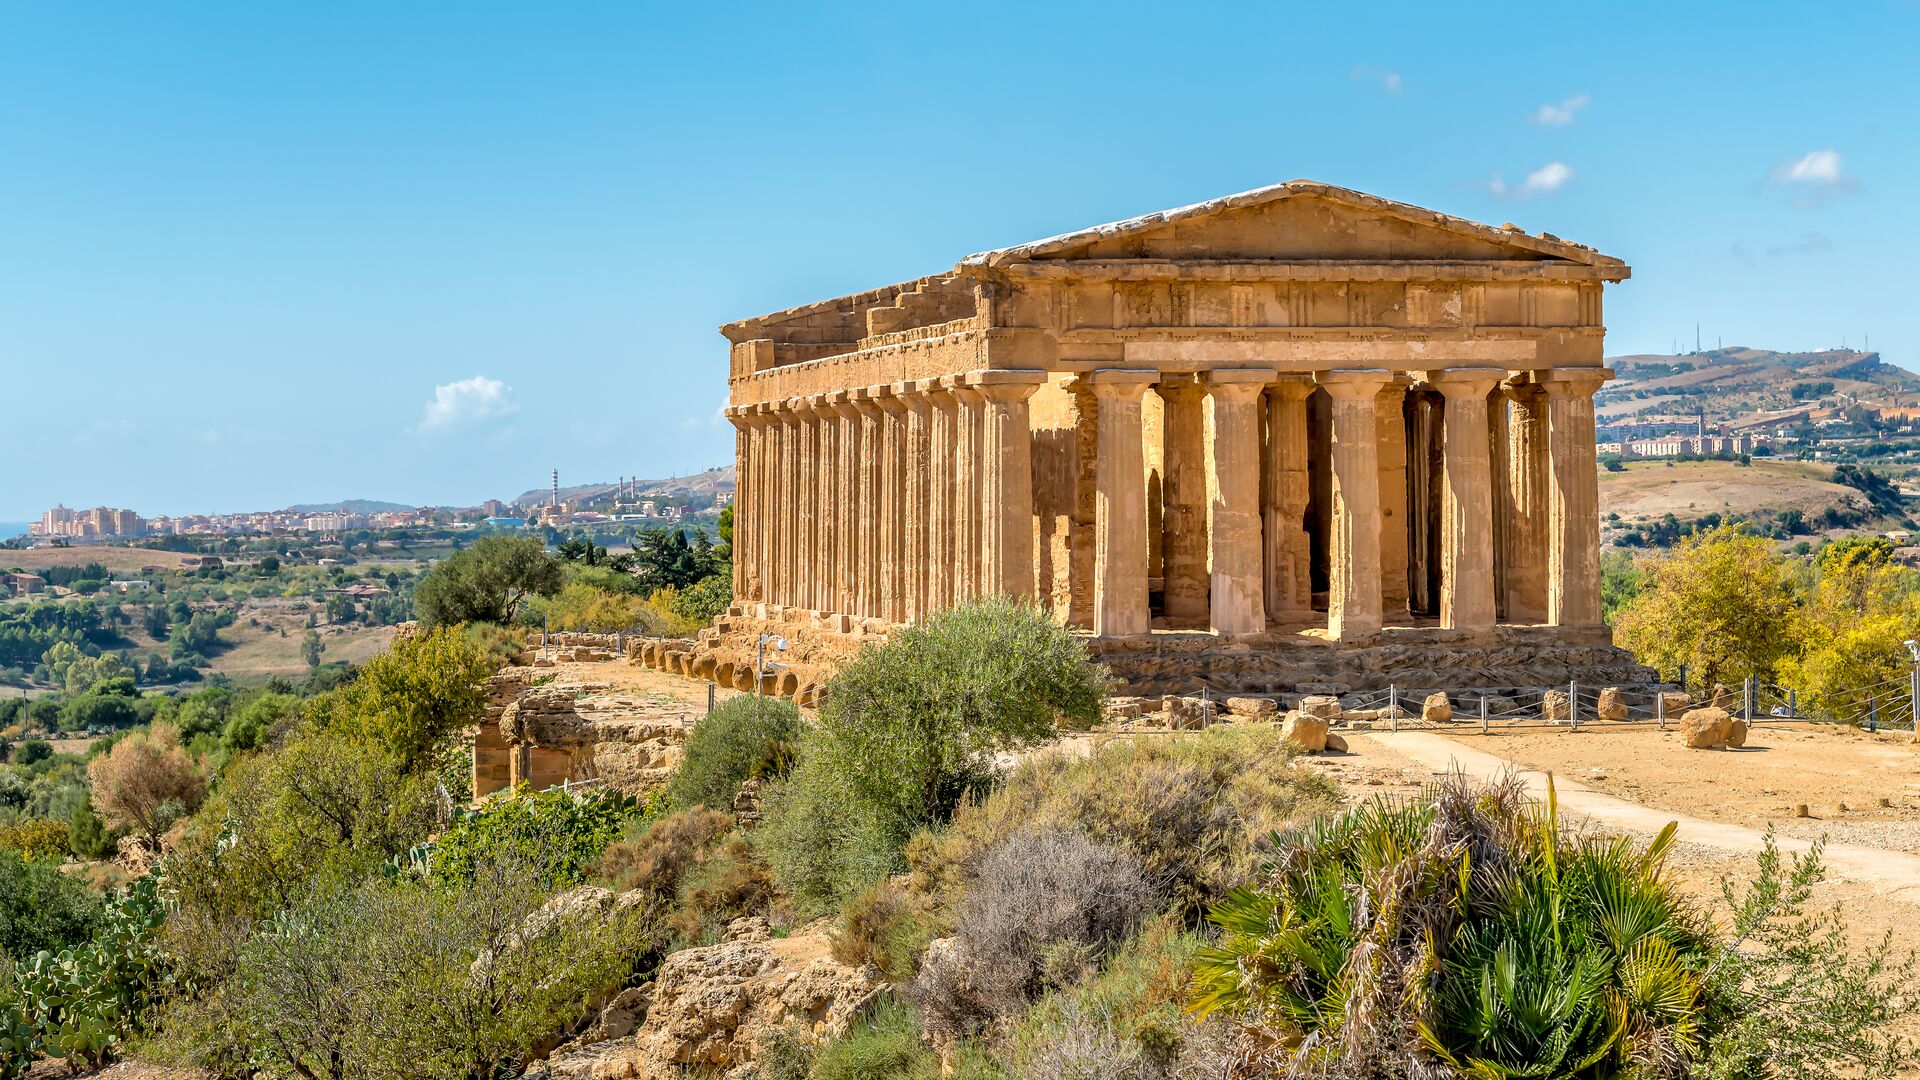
[(261, 253)]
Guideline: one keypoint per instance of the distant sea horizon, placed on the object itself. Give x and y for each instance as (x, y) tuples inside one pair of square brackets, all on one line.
[(10, 529)]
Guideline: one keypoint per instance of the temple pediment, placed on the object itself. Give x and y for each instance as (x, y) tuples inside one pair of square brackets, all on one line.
[(1301, 221)]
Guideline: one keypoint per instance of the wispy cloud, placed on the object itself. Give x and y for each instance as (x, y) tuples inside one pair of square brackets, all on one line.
[(1814, 177), (467, 401), (1550, 177), (1809, 244), (1551, 115), (1389, 81)]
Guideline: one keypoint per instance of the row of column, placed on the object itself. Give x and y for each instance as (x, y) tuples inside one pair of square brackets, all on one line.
[(888, 501)]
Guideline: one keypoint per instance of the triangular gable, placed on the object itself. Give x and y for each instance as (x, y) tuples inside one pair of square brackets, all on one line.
[(1300, 219)]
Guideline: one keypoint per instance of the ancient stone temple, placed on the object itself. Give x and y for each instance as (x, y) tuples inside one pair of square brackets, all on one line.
[(1245, 442)]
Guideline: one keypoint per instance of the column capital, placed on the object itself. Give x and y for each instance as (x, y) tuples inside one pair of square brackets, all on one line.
[(1465, 381), (1237, 384), (1294, 387), (1116, 384), (866, 399), (1353, 382), (1004, 385), (1568, 382)]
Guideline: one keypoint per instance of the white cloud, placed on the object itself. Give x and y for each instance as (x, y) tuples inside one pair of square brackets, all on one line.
[(1562, 114), (467, 401), (1822, 168), (1389, 81), (1552, 176)]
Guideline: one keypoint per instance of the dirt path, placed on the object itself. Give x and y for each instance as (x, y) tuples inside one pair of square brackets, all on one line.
[(1892, 874)]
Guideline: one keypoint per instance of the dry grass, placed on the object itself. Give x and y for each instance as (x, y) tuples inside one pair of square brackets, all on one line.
[(1688, 489), (122, 561), (256, 655)]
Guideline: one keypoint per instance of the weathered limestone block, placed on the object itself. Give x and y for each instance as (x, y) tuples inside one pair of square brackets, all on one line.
[(1305, 731), (1737, 732), (1321, 707), (1187, 713), (1254, 707), (1674, 702), (1335, 744), (1707, 728), (1555, 708), (1437, 709), (1612, 706)]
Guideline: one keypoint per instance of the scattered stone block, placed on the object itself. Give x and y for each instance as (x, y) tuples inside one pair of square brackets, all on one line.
[(1306, 731), (1612, 706), (1706, 728), (1737, 732), (1321, 707), (1674, 702), (1554, 707), (1254, 707), (1335, 744), (1437, 708), (1186, 713)]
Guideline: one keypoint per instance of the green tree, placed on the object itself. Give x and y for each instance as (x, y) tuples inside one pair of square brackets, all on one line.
[(1722, 603), (487, 582), (424, 690), (311, 649)]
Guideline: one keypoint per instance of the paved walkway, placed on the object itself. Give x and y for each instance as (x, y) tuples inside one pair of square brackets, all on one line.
[(1895, 872)]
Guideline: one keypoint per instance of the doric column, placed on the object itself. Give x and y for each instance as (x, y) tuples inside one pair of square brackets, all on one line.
[(917, 479), (1390, 447), (1466, 499), (1528, 501), (1353, 592), (867, 579), (805, 491), (1236, 600), (968, 404), (741, 417), (767, 535), (1183, 543), (942, 548), (1006, 444), (846, 512), (1120, 505), (1573, 531), (893, 459), (826, 501), (1499, 468), (1289, 570)]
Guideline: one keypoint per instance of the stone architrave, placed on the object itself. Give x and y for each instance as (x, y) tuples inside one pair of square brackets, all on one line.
[(943, 549), (1289, 573), (1528, 499), (1353, 596), (1120, 505), (1236, 600), (867, 579), (1390, 447), (893, 539), (1183, 543), (1007, 537), (1573, 530), (917, 482), (1466, 499)]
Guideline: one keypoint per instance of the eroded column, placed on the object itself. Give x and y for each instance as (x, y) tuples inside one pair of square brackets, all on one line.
[(1236, 598), (942, 548), (893, 546), (1390, 447), (1120, 505), (789, 486), (1466, 499), (1353, 591), (768, 473), (806, 490), (867, 544), (1573, 530), (968, 404), (1528, 503), (917, 479), (1183, 543), (1006, 443), (1289, 565), (846, 520)]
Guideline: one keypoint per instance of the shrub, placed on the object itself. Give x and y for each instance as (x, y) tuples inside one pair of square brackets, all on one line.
[(146, 782), (1125, 1023), (487, 582), (884, 1046), (888, 926), (729, 883), (552, 830), (1195, 809), (744, 737), (85, 1001), (705, 600), (665, 848), (912, 728), (424, 690), (42, 908), (35, 838), (1041, 911), (703, 871)]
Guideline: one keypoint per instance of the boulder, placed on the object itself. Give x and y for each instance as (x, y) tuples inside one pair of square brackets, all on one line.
[(1736, 732), (1674, 702), (1612, 706), (1187, 713), (1336, 744), (1257, 708), (1321, 707), (1554, 707), (1707, 728), (1721, 697), (1307, 732), (1437, 709)]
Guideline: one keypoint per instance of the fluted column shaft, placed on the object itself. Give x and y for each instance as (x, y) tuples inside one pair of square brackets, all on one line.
[(1236, 596), (826, 497), (1573, 550), (867, 578), (1353, 598), (917, 479), (805, 488), (1006, 550), (743, 462), (1183, 542), (893, 461), (1120, 606), (846, 511), (1529, 498), (943, 551), (1289, 569), (768, 473), (789, 485), (968, 405), (1390, 447), (1466, 502)]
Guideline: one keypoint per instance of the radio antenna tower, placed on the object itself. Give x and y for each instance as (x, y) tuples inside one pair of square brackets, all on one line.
[(556, 487)]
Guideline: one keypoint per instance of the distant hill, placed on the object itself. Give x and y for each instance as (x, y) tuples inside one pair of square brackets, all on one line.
[(349, 506), (1739, 381), (701, 483)]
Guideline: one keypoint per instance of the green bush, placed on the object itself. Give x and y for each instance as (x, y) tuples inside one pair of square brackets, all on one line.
[(884, 1046), (553, 830), (744, 737), (82, 1003), (1468, 931), (42, 908), (911, 729)]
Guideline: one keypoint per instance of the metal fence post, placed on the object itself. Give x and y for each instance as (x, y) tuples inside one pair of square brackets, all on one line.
[(1873, 714), (1793, 704), (1746, 694), (1393, 707), (1660, 708), (1683, 678), (1573, 705), (1913, 700), (1483, 714)]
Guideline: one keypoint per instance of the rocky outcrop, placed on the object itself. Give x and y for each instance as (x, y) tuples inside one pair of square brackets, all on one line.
[(712, 1009)]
